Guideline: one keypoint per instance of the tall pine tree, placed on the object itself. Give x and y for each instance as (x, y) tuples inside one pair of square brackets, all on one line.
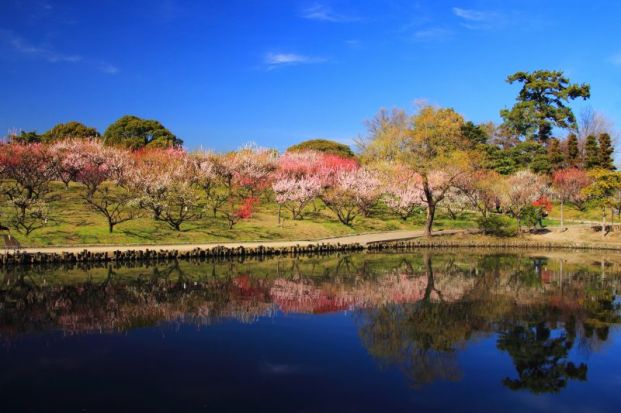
[(573, 153), (591, 155), (605, 152)]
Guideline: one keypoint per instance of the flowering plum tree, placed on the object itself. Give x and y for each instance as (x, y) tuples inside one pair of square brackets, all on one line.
[(481, 190), (402, 193), (294, 193), (104, 172), (164, 180), (26, 174), (520, 191), (568, 186), (347, 190)]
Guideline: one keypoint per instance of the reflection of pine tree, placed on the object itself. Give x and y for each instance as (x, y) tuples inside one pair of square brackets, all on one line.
[(540, 360)]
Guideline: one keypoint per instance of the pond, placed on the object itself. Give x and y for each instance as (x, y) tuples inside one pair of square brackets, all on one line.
[(460, 330)]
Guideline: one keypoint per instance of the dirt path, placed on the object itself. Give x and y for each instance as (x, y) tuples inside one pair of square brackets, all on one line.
[(362, 239)]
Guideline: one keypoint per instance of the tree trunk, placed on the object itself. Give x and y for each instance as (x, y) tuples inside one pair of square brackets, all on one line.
[(431, 213), (110, 226), (562, 225), (603, 222)]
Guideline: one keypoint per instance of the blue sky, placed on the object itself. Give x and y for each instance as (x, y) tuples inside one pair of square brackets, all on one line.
[(222, 73)]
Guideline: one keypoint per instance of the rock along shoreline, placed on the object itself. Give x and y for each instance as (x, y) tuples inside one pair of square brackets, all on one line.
[(18, 258)]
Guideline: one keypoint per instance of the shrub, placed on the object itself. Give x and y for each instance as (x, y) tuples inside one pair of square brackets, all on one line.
[(325, 146), (498, 225)]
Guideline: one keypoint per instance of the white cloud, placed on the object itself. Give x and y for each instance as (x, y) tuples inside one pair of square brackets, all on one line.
[(324, 13), (616, 59), (273, 60), (23, 47), (479, 19), (48, 54), (432, 34)]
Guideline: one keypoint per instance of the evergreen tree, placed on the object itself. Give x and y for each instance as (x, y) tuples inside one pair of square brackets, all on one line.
[(542, 102), (555, 156), (475, 134), (591, 156), (573, 153), (605, 152)]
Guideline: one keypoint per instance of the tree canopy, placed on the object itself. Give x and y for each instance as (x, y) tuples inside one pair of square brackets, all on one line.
[(133, 132), (71, 129), (541, 103), (323, 145)]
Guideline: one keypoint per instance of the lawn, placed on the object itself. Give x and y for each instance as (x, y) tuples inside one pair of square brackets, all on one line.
[(73, 222)]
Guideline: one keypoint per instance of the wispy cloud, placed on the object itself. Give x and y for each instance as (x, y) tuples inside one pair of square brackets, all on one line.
[(493, 19), (50, 55), (615, 59), (353, 43), (273, 60), (321, 12), (434, 34), (22, 46)]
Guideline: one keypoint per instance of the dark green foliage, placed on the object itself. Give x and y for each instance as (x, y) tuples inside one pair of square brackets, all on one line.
[(133, 132), (26, 137), (540, 358), (474, 134), (497, 225), (605, 152), (71, 129), (323, 145), (573, 153), (525, 155), (555, 155), (591, 153), (541, 164), (541, 103), (532, 217)]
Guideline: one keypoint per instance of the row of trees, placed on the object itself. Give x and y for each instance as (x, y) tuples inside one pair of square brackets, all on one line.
[(128, 131), (176, 187)]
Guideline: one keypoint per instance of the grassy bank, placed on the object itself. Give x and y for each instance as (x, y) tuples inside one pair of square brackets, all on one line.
[(73, 222)]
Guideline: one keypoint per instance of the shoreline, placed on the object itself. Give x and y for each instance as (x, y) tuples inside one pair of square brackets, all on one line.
[(374, 242)]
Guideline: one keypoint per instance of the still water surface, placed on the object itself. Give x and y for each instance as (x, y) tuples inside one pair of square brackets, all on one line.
[(425, 331)]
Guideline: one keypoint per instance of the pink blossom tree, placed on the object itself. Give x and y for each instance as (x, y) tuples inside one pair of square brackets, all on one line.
[(26, 173), (520, 191), (347, 190), (165, 181), (568, 186), (481, 190), (402, 194), (295, 192), (104, 173)]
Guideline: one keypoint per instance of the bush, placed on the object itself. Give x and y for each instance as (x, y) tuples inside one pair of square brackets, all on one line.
[(325, 146), (498, 225), (533, 216)]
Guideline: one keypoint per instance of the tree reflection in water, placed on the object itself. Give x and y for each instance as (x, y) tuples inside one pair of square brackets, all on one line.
[(535, 326), (415, 311)]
